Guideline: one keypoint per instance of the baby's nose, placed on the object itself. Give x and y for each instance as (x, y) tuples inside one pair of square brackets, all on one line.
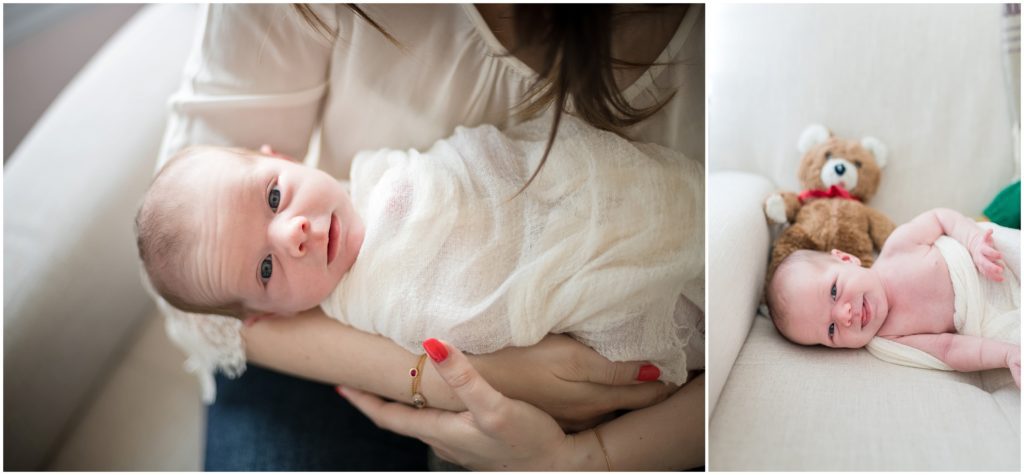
[(840, 169), (293, 234), (844, 314)]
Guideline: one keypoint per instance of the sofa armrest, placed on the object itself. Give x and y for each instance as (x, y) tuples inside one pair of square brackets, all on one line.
[(72, 292), (738, 244)]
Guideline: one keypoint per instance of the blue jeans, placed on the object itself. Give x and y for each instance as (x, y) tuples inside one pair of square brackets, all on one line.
[(266, 420)]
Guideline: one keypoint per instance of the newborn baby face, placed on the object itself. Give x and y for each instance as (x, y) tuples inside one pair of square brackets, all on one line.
[(273, 234), (829, 299)]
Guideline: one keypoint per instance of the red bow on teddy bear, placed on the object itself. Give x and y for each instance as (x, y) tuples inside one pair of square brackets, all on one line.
[(834, 191)]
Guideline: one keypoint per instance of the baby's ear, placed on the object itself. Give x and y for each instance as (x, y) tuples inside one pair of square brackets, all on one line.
[(270, 152), (845, 257)]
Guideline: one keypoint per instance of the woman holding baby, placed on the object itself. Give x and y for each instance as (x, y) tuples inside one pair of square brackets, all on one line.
[(402, 77)]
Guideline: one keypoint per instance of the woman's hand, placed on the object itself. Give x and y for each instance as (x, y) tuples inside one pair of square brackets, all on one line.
[(570, 381), (558, 375), (500, 433), (495, 433)]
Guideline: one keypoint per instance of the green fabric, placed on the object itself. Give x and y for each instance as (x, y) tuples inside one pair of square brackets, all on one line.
[(1004, 210)]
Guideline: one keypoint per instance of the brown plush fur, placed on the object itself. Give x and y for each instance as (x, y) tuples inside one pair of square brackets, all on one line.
[(823, 224)]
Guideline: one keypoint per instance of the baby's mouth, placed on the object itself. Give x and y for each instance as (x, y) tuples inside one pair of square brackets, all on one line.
[(332, 239), (865, 315)]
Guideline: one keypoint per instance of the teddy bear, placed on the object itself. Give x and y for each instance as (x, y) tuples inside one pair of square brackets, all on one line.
[(838, 176)]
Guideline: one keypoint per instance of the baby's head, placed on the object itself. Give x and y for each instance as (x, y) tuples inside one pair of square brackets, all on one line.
[(237, 232), (826, 298)]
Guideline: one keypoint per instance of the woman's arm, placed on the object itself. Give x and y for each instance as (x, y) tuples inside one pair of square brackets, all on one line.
[(665, 436), (561, 376), (506, 434)]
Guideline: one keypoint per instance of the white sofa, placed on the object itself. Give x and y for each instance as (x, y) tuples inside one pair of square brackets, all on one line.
[(929, 82), (90, 380)]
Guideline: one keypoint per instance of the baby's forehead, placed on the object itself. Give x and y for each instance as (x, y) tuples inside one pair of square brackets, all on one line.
[(211, 170), (802, 262), (226, 161), (797, 279)]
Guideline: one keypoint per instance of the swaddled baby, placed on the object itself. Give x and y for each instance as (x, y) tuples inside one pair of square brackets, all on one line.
[(943, 294), (604, 244)]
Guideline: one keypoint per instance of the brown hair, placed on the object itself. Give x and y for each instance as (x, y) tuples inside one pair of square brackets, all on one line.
[(577, 68), (163, 240), (577, 65)]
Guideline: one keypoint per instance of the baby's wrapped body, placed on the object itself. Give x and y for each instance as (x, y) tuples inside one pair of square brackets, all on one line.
[(982, 307), (606, 244)]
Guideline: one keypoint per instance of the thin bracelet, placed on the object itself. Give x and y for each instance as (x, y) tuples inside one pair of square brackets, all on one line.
[(607, 462), (418, 401)]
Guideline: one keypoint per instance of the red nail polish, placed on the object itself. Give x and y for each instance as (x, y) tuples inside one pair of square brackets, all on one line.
[(340, 391), (648, 372), (435, 349)]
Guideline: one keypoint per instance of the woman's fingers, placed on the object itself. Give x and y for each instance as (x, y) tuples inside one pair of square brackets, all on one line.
[(618, 373), (595, 368), (394, 416), (639, 396), (382, 413), (453, 366)]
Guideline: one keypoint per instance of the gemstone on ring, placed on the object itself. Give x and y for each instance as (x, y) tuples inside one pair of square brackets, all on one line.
[(413, 372)]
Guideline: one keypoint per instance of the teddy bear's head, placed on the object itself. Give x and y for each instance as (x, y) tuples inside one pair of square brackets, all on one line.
[(852, 165)]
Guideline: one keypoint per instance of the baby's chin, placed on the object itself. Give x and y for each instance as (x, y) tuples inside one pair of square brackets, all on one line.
[(862, 340), (333, 283), (309, 301)]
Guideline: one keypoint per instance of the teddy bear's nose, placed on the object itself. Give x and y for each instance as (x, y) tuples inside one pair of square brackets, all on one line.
[(840, 169)]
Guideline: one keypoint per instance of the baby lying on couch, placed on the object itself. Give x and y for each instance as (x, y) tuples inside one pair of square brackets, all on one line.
[(937, 296), (605, 244)]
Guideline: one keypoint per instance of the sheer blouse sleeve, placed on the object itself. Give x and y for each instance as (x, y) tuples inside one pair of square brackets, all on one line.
[(257, 74)]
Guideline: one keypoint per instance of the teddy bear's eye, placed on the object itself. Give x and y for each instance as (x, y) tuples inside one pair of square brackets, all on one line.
[(857, 163), (828, 155)]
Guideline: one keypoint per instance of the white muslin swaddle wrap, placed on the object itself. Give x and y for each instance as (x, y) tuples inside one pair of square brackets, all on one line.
[(982, 307), (605, 244)]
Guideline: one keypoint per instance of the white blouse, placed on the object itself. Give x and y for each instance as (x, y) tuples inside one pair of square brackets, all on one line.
[(259, 74)]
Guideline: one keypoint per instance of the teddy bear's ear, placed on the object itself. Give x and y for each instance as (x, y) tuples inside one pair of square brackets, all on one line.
[(877, 148), (811, 136)]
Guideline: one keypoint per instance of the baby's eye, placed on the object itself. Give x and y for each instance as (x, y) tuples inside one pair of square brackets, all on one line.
[(274, 198), (833, 292), (831, 330), (266, 269)]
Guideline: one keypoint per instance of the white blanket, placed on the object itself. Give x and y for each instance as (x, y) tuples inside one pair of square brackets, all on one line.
[(605, 244), (982, 307)]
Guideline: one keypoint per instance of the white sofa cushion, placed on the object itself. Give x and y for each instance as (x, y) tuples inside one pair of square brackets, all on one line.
[(737, 245), (789, 408), (73, 297)]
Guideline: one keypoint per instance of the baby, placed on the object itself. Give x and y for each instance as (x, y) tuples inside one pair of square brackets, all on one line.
[(608, 249), (212, 240), (937, 297)]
